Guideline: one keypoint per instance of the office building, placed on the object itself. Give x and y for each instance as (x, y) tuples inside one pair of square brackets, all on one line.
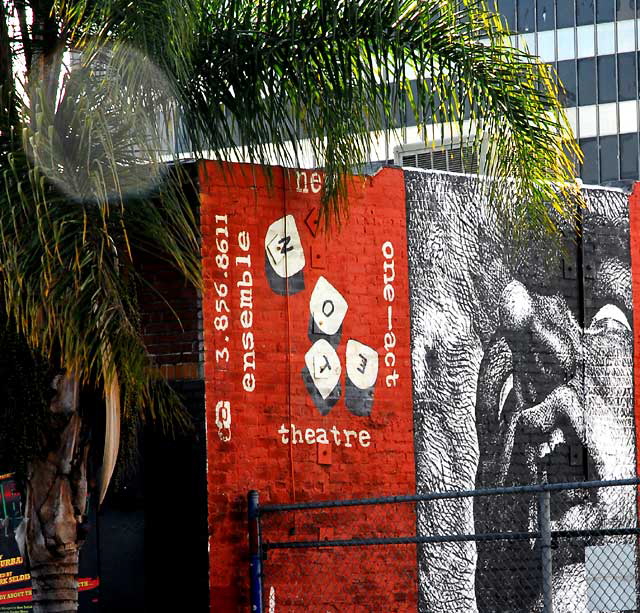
[(593, 46)]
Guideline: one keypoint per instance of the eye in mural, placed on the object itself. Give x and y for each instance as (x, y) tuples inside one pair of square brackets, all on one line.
[(522, 374), (285, 256), (565, 402)]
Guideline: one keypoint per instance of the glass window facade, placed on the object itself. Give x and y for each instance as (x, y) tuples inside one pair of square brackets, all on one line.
[(586, 44), (626, 35), (545, 15), (584, 12), (566, 42), (526, 16), (625, 9), (626, 76), (608, 158), (605, 10), (589, 170), (565, 14), (628, 156), (593, 47), (508, 9), (567, 76), (586, 81), (606, 78), (606, 38)]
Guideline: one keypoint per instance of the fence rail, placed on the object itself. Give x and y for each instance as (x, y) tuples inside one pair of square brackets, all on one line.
[(578, 551)]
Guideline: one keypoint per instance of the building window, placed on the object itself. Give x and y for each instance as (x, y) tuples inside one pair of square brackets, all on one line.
[(546, 46), (526, 16), (566, 44), (508, 10), (606, 38), (567, 76), (585, 36), (545, 15), (588, 118), (628, 114), (628, 156), (607, 78), (626, 76), (626, 35), (625, 9), (605, 10), (608, 158), (589, 167), (584, 12), (565, 14), (586, 81), (607, 119)]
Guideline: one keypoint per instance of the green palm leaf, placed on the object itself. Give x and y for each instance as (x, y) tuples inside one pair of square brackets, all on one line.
[(257, 79)]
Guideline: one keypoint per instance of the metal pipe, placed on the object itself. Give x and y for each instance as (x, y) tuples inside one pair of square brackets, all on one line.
[(544, 527), (255, 551), (453, 538), (493, 491)]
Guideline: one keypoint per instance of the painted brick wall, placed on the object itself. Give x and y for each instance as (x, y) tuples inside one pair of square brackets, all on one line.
[(474, 316), (360, 451), (171, 322), (634, 222), (171, 309), (503, 334)]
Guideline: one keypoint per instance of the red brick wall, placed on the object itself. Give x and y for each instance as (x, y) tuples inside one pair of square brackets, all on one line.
[(170, 319), (634, 239), (252, 451)]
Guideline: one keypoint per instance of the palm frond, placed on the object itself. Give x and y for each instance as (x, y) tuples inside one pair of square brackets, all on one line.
[(251, 78), (71, 217), (272, 74)]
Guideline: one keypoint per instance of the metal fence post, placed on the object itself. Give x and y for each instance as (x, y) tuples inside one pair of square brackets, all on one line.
[(544, 526), (255, 552)]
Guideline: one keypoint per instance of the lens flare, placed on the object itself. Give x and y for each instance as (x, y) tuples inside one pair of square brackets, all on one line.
[(101, 123)]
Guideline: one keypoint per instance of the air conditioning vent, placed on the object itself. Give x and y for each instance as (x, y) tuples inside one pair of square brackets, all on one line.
[(452, 158), (439, 160), (424, 160)]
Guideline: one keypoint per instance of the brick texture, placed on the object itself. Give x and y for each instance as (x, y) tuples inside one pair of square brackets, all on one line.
[(256, 450), (634, 224)]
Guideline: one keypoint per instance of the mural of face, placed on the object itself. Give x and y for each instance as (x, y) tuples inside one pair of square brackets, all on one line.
[(547, 392), (518, 379)]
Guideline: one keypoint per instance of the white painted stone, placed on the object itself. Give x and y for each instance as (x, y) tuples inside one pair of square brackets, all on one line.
[(328, 307), (284, 248), (362, 364), (324, 365)]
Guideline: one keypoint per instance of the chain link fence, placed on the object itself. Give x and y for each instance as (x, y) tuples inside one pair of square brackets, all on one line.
[(561, 547)]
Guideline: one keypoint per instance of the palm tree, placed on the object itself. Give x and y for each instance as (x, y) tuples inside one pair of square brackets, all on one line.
[(83, 84)]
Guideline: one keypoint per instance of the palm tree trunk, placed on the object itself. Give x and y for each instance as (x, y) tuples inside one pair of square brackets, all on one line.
[(52, 530), (55, 585)]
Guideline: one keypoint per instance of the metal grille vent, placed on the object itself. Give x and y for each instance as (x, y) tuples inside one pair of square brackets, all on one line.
[(455, 159)]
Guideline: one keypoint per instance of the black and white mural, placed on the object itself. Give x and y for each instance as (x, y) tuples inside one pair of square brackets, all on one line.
[(522, 368)]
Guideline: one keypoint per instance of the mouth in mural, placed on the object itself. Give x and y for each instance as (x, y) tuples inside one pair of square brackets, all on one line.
[(544, 444)]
